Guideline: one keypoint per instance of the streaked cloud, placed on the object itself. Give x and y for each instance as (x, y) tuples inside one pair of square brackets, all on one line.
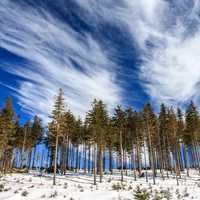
[(167, 34), (57, 56)]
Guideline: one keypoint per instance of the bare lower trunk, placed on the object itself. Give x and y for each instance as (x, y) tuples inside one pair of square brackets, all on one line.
[(89, 159), (55, 161), (110, 161), (94, 161), (101, 163), (77, 152), (85, 154), (121, 157)]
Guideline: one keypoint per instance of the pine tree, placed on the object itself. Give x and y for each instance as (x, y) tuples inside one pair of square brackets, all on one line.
[(26, 133), (77, 139), (120, 123), (111, 140), (54, 126), (7, 134), (97, 120), (162, 137), (173, 127), (67, 127), (35, 136), (192, 121), (151, 129), (132, 129), (180, 134)]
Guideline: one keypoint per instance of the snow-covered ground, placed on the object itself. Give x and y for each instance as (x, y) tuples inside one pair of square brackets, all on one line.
[(79, 186)]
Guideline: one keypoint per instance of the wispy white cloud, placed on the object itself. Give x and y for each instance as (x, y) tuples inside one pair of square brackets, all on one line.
[(166, 34), (171, 67), (168, 37), (50, 47)]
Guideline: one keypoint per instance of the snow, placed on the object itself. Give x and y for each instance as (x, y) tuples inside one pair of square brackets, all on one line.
[(80, 186)]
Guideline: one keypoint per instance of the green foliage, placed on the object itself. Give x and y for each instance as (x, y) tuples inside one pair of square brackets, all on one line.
[(97, 121), (7, 125), (59, 106), (166, 194), (141, 194), (150, 124), (36, 130), (191, 123), (126, 133), (118, 186)]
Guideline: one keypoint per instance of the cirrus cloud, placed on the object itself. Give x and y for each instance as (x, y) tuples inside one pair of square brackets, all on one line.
[(56, 56)]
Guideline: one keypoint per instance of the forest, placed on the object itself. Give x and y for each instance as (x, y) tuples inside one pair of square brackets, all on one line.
[(137, 143)]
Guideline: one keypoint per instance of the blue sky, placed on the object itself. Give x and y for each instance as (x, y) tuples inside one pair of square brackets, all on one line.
[(124, 52)]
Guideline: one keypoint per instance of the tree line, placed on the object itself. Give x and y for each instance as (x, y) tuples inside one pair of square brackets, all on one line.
[(143, 142), (15, 137)]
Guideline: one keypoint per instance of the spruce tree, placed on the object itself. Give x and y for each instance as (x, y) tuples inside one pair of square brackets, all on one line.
[(191, 132), (54, 126), (35, 136), (97, 120), (151, 129), (120, 123), (7, 135)]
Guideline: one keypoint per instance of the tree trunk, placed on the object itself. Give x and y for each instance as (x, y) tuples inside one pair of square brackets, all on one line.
[(89, 159), (145, 162), (110, 161), (29, 159), (85, 158), (23, 147), (151, 155), (186, 160), (94, 160), (55, 157), (121, 156), (77, 155), (101, 162)]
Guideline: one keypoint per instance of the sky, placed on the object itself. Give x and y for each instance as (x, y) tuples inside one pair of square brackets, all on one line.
[(124, 52)]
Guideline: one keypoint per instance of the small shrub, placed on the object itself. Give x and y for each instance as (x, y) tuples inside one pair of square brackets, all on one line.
[(109, 180), (178, 194), (7, 189), (81, 190), (43, 196), (1, 187), (65, 185), (186, 194), (141, 194), (157, 196), (24, 193), (16, 191), (118, 186), (130, 187), (166, 194), (55, 194), (32, 186)]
